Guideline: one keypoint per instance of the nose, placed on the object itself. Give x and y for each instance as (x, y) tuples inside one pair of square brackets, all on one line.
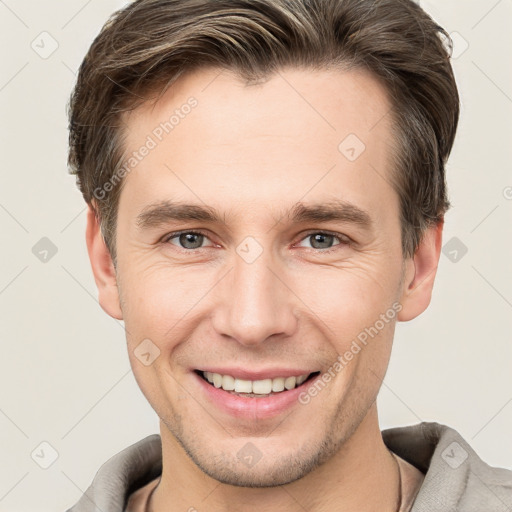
[(255, 302)]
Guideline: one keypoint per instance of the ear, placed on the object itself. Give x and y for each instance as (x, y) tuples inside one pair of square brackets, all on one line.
[(102, 267), (419, 274)]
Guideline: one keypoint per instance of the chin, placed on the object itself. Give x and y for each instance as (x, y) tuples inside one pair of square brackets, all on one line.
[(240, 475), (271, 466)]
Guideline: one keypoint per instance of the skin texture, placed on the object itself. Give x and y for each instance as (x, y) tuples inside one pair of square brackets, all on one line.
[(253, 152)]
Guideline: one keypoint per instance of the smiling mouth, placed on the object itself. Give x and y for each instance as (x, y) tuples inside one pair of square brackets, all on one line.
[(255, 388)]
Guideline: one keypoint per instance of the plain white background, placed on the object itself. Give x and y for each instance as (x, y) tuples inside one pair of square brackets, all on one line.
[(65, 375)]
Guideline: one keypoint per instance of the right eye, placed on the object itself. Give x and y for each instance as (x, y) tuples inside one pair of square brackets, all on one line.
[(187, 240)]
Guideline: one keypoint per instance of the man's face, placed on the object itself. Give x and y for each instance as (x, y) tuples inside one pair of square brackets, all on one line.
[(260, 293)]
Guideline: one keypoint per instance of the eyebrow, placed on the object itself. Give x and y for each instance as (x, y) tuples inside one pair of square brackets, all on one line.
[(163, 212)]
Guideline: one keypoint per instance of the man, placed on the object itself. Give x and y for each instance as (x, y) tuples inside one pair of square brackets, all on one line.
[(266, 191)]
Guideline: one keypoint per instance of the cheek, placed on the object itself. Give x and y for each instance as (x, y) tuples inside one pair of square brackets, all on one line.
[(160, 300), (349, 297), (356, 313)]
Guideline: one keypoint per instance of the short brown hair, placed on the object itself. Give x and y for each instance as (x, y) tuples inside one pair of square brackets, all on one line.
[(148, 44)]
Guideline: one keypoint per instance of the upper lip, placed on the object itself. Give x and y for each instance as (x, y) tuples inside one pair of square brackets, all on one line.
[(268, 373)]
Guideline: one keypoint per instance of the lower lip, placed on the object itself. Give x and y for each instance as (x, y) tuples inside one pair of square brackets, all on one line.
[(253, 407)]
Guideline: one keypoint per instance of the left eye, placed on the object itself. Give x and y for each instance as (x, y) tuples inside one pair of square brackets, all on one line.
[(320, 240)]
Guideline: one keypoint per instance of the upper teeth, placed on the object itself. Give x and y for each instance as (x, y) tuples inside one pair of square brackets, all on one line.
[(259, 387)]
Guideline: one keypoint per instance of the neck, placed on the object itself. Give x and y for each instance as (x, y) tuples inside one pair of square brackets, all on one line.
[(361, 477)]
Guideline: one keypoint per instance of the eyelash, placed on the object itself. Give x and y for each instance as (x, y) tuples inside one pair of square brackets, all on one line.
[(343, 239)]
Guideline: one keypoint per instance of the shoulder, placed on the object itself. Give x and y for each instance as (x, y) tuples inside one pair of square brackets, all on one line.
[(121, 475), (456, 478)]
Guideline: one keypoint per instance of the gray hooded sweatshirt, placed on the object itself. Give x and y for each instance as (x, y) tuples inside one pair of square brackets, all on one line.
[(456, 479)]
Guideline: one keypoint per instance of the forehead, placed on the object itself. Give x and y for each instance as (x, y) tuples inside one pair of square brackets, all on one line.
[(217, 141)]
